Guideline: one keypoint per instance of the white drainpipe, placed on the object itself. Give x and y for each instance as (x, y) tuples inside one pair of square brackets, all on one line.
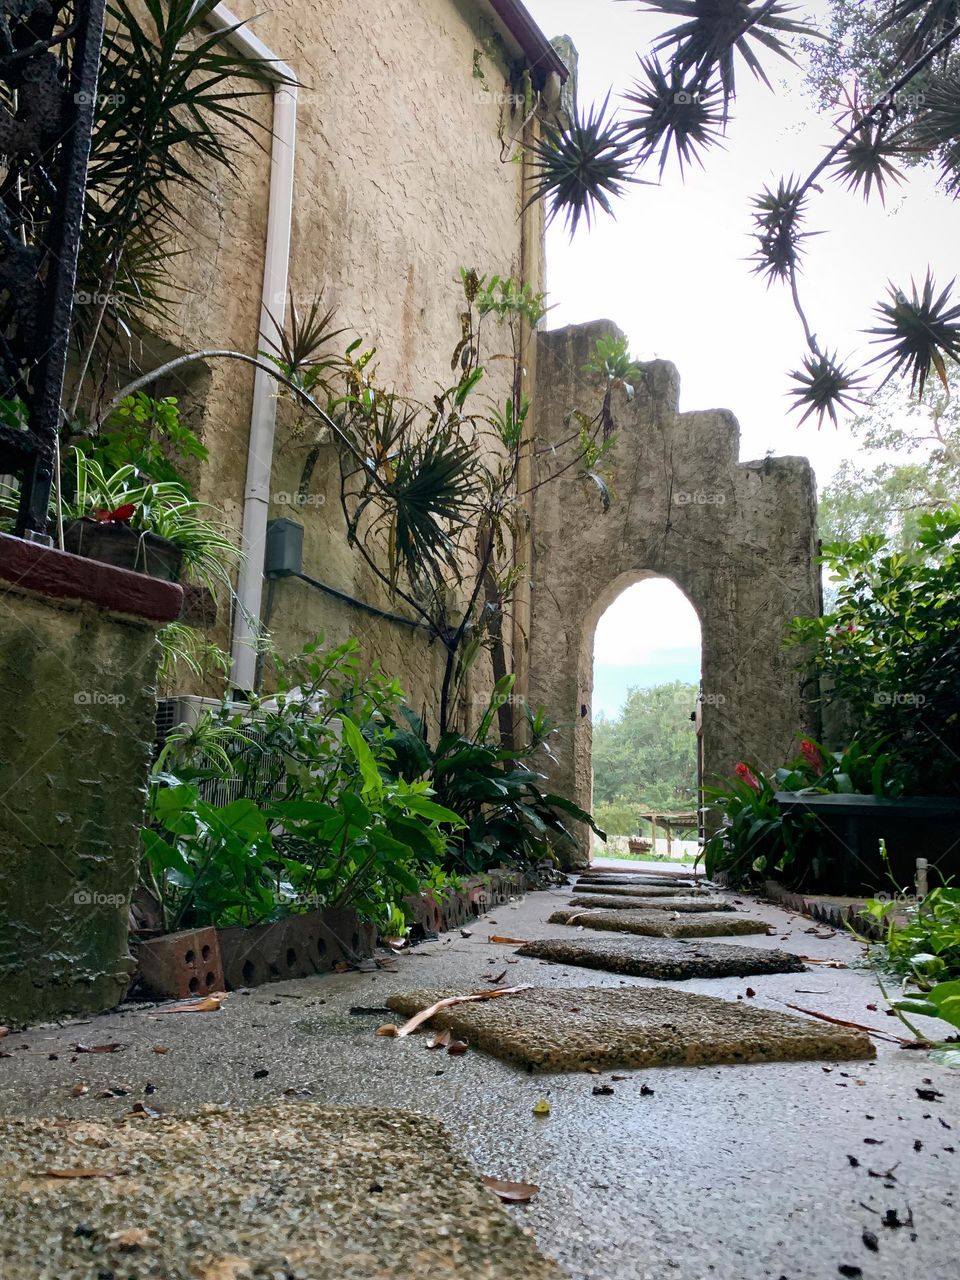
[(263, 414)]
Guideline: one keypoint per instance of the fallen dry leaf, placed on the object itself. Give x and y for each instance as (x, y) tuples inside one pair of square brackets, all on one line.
[(395, 944), (97, 1048), (140, 1109), (541, 1107), (78, 1173), (508, 942), (130, 1240), (494, 977), (440, 1040), (388, 1029), (207, 1004), (79, 1090), (512, 1192), (827, 964), (425, 1015), (229, 1267), (842, 1022), (457, 1047), (160, 1048)]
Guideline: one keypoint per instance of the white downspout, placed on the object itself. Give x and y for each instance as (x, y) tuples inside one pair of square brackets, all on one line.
[(273, 299)]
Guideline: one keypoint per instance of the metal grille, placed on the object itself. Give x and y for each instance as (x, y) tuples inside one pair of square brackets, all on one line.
[(49, 62)]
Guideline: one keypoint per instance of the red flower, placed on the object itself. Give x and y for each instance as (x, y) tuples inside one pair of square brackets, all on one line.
[(745, 774), (120, 516), (811, 755)]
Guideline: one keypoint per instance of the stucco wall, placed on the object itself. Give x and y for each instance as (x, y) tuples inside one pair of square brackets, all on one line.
[(739, 538), (400, 180)]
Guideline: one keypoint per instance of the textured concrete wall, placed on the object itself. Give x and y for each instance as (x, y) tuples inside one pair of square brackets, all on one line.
[(401, 179), (738, 538), (77, 688)]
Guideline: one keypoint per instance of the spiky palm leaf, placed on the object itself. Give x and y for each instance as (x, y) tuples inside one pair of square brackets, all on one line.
[(866, 160), (777, 219), (716, 30), (823, 386), (918, 333), (929, 19), (938, 127), (671, 111), (578, 169)]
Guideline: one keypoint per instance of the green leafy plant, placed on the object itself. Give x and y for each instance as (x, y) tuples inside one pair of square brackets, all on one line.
[(146, 434), (922, 939)]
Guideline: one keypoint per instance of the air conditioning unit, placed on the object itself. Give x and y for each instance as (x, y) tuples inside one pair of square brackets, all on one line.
[(187, 710)]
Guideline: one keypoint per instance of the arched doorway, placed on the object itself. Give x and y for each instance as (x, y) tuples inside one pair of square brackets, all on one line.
[(738, 539), (645, 698)]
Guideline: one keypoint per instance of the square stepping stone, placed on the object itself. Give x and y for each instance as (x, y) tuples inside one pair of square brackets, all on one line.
[(293, 1190), (618, 902), (662, 924), (643, 890), (670, 959), (571, 1029)]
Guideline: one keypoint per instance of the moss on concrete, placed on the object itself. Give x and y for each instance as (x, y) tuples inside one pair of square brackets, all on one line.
[(571, 1029), (292, 1190)]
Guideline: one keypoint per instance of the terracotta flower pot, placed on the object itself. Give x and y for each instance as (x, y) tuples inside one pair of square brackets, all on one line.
[(123, 547)]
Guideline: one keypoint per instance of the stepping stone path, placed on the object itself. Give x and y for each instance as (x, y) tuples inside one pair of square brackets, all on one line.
[(662, 924), (309, 1191), (611, 902), (643, 890), (671, 960), (576, 1028), (654, 881)]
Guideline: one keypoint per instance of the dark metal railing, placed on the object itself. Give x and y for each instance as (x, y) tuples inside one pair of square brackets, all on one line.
[(49, 62)]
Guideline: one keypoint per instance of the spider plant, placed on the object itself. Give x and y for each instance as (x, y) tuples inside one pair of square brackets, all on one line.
[(162, 507)]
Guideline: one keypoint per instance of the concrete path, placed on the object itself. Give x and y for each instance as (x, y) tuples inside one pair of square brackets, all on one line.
[(767, 1172)]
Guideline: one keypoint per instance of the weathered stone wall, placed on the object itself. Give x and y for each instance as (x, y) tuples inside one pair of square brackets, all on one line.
[(738, 538), (77, 691), (401, 179)]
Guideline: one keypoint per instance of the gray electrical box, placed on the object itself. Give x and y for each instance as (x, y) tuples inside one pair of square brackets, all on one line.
[(284, 550)]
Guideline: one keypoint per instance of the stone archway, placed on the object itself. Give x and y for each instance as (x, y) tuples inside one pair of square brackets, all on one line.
[(738, 538)]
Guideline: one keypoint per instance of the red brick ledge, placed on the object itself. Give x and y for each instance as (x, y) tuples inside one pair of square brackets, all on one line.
[(58, 575)]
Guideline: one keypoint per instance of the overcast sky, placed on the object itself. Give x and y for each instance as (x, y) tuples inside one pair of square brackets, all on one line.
[(671, 272)]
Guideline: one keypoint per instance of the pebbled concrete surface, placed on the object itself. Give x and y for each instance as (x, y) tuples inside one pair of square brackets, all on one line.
[(723, 1173), (579, 1028), (627, 902), (633, 890), (294, 1191), (668, 959), (660, 924)]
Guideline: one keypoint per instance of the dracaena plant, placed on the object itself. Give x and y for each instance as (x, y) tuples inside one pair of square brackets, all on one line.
[(680, 106)]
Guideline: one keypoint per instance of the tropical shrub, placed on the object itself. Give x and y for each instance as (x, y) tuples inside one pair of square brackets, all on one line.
[(508, 817), (924, 946), (889, 653)]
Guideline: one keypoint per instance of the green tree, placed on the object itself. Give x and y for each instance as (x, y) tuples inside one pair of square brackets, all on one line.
[(647, 755), (909, 464)]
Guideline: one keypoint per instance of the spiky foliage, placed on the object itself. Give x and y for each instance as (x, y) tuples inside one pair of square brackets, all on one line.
[(672, 112), (823, 385), (927, 22), (918, 333), (938, 127), (578, 170), (171, 94), (871, 145), (714, 31), (777, 219)]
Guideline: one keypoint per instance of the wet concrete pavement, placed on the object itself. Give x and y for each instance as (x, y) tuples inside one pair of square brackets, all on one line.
[(721, 1173)]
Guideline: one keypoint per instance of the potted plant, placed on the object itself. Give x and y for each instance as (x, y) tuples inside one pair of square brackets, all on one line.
[(151, 527)]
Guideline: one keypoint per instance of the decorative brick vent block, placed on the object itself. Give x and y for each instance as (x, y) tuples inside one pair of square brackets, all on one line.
[(294, 948), (182, 964)]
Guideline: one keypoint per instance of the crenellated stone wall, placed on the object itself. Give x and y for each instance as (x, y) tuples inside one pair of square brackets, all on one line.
[(738, 538)]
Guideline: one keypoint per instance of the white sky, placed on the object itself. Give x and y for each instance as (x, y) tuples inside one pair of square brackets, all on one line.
[(671, 269)]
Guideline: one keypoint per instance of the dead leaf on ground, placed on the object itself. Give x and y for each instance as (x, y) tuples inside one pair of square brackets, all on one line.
[(160, 1048), (141, 1110), (388, 1029), (207, 1004), (425, 1015), (491, 977), (508, 942), (457, 1047), (79, 1173), (440, 1040), (79, 1090), (229, 1267), (827, 964), (512, 1192), (395, 944), (98, 1048)]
